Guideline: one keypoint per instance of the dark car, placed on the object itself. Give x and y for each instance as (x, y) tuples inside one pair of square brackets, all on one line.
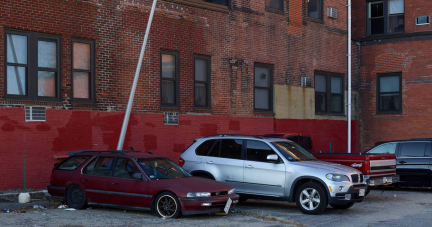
[(137, 180), (303, 140), (414, 161)]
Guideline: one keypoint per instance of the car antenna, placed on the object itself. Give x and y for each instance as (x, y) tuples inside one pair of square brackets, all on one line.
[(132, 149)]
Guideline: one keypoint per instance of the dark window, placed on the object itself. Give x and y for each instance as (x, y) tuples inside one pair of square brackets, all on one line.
[(90, 167), (389, 93), (413, 149), (385, 17), (204, 148), (219, 2), (315, 9), (103, 167), (73, 163), (215, 150), (32, 66), (202, 82), (169, 79), (387, 148), (303, 141), (125, 168), (329, 93), (275, 4), (258, 151), (83, 70), (263, 88), (231, 149)]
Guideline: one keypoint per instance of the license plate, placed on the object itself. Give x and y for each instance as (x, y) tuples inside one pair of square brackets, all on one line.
[(362, 192), (228, 205), (389, 179)]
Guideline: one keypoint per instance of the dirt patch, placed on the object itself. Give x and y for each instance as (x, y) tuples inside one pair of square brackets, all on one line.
[(269, 218)]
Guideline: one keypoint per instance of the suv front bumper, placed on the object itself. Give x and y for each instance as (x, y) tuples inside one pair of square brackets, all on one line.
[(351, 195), (383, 180)]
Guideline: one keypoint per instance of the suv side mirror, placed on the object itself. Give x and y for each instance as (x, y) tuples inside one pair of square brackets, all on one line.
[(272, 158), (137, 176)]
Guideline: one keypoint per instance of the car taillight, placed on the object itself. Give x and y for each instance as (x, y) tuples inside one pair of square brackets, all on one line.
[(52, 178), (181, 162)]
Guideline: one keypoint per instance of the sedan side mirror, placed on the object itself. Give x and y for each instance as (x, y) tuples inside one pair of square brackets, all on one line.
[(137, 176), (272, 158)]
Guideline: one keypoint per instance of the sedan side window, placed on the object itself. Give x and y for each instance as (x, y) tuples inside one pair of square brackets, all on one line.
[(90, 167), (231, 148), (103, 167), (258, 151), (125, 168), (413, 149), (387, 148)]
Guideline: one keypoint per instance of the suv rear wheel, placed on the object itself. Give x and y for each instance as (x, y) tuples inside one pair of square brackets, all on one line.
[(311, 198)]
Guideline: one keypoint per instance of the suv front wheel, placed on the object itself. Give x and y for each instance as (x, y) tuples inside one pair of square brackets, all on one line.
[(311, 198)]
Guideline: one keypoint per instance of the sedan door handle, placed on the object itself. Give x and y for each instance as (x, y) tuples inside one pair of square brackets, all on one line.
[(85, 180), (210, 162), (249, 167), (115, 183), (402, 162)]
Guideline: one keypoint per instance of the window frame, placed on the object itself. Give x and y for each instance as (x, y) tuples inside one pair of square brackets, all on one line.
[(92, 79), (32, 68), (320, 17), (207, 84), (378, 93), (270, 89), (385, 16), (275, 10), (176, 80), (328, 76)]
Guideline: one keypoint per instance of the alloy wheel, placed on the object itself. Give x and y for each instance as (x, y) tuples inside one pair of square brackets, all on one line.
[(310, 199), (166, 206)]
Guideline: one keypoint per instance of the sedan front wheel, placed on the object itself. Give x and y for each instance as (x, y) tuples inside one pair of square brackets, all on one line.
[(167, 205)]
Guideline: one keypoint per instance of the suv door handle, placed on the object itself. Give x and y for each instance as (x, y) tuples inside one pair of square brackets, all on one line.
[(249, 167), (210, 162), (402, 162)]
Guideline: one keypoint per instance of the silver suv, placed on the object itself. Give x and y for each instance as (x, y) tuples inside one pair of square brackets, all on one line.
[(274, 168)]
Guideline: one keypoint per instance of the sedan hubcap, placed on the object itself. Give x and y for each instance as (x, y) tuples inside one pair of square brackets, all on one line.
[(309, 199)]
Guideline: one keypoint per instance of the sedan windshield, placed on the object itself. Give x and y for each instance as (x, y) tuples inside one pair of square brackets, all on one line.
[(293, 152), (161, 168)]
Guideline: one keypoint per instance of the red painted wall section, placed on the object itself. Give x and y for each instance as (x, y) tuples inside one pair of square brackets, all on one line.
[(322, 133)]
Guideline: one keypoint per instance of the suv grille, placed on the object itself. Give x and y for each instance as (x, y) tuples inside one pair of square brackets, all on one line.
[(357, 178)]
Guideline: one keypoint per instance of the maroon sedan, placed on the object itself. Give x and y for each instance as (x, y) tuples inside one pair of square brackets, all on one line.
[(137, 180)]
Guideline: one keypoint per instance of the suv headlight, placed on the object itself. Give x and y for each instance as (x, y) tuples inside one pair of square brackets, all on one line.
[(337, 177), (198, 194), (232, 191)]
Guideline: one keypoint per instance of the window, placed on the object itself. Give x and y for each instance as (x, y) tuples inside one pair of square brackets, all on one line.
[(389, 93), (73, 163), (103, 167), (231, 149), (32, 66), (90, 167), (169, 79), (275, 4), (422, 20), (413, 149), (386, 17), (387, 148), (315, 9), (329, 93), (204, 148), (83, 71), (303, 141), (263, 88), (215, 150), (258, 151), (219, 2), (202, 82), (125, 168)]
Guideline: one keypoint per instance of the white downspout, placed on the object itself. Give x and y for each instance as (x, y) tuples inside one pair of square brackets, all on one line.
[(135, 82), (349, 76)]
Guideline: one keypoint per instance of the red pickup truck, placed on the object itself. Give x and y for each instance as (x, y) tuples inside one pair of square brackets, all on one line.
[(378, 169)]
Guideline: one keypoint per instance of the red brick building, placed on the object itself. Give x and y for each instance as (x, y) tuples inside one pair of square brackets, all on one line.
[(394, 39), (253, 67)]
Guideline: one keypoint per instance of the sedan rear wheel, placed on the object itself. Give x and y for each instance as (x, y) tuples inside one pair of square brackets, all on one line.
[(311, 198), (167, 205), (75, 197)]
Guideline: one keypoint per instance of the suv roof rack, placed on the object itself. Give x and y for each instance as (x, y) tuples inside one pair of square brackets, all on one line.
[(224, 135)]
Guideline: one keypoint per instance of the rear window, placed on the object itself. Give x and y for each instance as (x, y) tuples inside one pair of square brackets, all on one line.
[(74, 162), (204, 148)]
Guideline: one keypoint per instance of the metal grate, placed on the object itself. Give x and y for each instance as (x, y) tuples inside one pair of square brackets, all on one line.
[(171, 118), (306, 82), (331, 12), (35, 113)]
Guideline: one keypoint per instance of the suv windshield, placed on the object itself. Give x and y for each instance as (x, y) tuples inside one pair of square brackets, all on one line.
[(293, 152), (161, 168)]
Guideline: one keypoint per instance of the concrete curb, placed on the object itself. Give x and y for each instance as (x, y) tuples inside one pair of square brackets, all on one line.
[(42, 194)]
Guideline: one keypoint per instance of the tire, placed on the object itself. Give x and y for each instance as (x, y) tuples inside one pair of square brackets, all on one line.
[(75, 197), (167, 205), (346, 206), (206, 176), (311, 198), (367, 191)]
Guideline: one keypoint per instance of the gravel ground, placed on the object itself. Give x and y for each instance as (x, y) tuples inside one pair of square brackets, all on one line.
[(406, 207)]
